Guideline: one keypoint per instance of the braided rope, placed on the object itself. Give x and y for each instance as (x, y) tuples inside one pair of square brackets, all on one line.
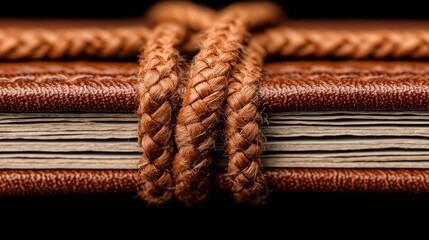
[(378, 44), (16, 44), (196, 128), (244, 141), (126, 42), (158, 82), (157, 179)]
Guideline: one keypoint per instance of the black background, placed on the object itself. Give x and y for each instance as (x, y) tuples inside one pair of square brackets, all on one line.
[(285, 214), (296, 9)]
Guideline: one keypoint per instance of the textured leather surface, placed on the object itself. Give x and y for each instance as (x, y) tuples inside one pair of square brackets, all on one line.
[(346, 85), (59, 182), (344, 180), (64, 182), (287, 86), (57, 87)]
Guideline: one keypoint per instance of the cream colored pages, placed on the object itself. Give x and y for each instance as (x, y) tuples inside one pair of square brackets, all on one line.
[(316, 139)]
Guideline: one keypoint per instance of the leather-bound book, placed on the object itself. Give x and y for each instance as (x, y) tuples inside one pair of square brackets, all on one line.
[(68, 122)]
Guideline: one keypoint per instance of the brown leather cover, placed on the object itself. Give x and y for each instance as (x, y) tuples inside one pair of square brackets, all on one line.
[(287, 86), (64, 182)]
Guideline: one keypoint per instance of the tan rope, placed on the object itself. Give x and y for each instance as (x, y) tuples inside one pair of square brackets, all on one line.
[(244, 141), (158, 82), (196, 128), (198, 119), (125, 42), (122, 42), (379, 44)]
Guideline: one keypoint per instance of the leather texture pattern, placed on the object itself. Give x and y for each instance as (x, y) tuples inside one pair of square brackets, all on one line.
[(287, 86), (66, 182), (345, 180)]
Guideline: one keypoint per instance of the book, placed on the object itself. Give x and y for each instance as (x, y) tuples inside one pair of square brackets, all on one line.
[(69, 127), (63, 119)]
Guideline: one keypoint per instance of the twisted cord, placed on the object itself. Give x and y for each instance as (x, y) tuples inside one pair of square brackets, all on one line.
[(199, 116), (196, 129), (157, 84), (244, 138), (377, 44), (123, 42), (126, 42)]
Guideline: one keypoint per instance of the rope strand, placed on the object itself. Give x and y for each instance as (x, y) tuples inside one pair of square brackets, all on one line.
[(244, 138), (125, 42), (196, 129), (378, 44), (157, 84)]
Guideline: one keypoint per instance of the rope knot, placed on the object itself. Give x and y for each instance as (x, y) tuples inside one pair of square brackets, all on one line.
[(224, 80)]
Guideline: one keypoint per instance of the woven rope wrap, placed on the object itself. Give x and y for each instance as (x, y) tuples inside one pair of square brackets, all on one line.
[(34, 44), (196, 129), (157, 86), (244, 141), (125, 42), (199, 116), (244, 145), (378, 44), (158, 82)]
